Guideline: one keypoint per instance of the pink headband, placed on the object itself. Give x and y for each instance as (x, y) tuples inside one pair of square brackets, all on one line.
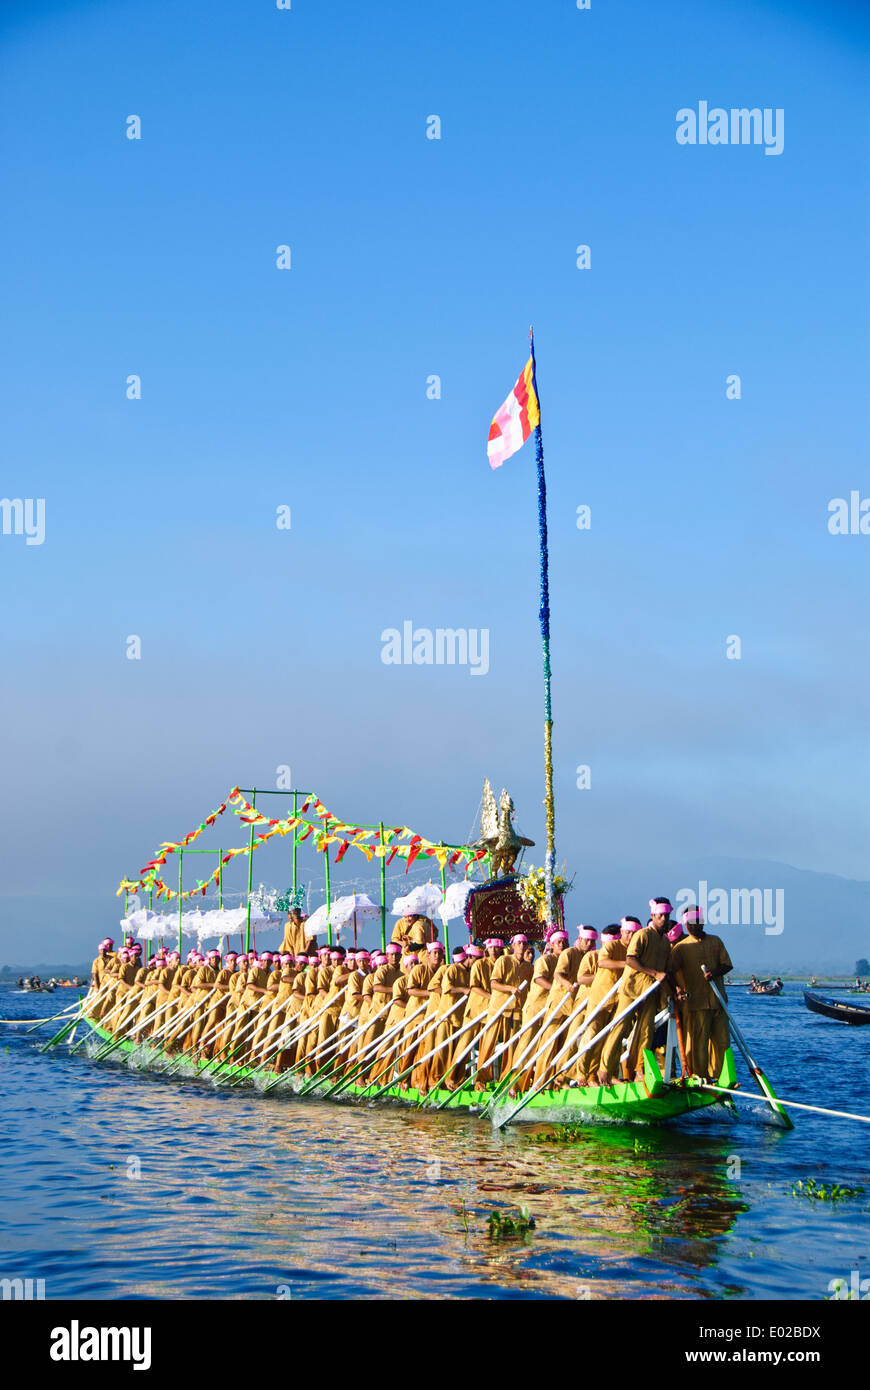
[(473, 950), (434, 946), (394, 949), (675, 934), (627, 925), (412, 958), (106, 942), (561, 935), (588, 933), (493, 941), (519, 936), (659, 906), (693, 914)]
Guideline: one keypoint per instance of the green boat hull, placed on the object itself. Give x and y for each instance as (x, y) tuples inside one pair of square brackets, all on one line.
[(628, 1102)]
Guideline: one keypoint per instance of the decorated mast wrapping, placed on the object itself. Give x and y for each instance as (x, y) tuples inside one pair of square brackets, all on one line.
[(513, 423)]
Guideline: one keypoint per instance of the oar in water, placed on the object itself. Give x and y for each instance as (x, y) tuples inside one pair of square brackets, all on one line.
[(545, 1046), (207, 1037), (374, 1048), (761, 1080), (174, 1025), (478, 1025), (792, 1104), (70, 1027), (102, 1022), (262, 1017), (291, 1033), (362, 1060), (470, 1080), (518, 1067), (530, 1095), (245, 1031), (64, 1013), (422, 1030), (171, 1024), (329, 1047)]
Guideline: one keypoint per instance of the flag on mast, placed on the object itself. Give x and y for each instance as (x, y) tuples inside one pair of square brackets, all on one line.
[(514, 421)]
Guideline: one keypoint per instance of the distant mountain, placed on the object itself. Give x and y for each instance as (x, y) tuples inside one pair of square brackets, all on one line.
[(778, 918)]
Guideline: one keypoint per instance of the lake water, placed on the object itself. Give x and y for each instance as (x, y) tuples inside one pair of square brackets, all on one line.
[(120, 1184)]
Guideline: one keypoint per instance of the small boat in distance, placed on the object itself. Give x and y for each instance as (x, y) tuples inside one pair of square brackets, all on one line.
[(836, 1008), (765, 986)]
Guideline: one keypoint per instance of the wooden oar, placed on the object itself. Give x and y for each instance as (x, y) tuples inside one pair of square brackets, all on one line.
[(480, 1023), (364, 1058), (102, 1022), (550, 1042), (329, 1049), (434, 1021), (303, 1032), (174, 1025), (375, 1046), (64, 1013), (469, 1080), (530, 1095), (761, 1080), (68, 1028), (522, 1062), (249, 1027), (792, 1104)]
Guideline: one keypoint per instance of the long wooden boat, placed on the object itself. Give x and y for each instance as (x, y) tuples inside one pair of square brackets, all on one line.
[(836, 1008), (629, 1102)]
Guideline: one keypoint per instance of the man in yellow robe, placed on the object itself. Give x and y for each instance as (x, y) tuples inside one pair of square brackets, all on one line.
[(695, 961), (509, 979), (646, 964), (560, 1006), (609, 965), (455, 987)]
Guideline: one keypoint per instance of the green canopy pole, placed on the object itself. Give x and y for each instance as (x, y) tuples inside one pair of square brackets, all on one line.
[(220, 878), (328, 899), (180, 861), (250, 875), (295, 794), (446, 928), (383, 892)]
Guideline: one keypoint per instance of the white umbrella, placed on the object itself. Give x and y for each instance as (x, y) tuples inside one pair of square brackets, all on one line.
[(355, 908), (455, 900), (424, 899)]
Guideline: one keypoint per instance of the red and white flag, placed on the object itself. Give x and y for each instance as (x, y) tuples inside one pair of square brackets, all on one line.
[(514, 421)]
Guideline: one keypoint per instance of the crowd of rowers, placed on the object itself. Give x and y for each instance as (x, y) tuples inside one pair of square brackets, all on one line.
[(304, 1009)]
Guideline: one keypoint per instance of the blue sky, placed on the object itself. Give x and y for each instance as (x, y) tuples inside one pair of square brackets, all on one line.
[(307, 387)]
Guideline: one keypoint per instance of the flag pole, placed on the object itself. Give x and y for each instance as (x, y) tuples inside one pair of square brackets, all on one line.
[(550, 861)]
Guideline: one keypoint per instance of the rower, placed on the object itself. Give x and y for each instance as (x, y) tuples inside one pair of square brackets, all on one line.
[(609, 965), (422, 1070), (454, 986), (509, 973), (560, 1004), (647, 961), (694, 963)]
